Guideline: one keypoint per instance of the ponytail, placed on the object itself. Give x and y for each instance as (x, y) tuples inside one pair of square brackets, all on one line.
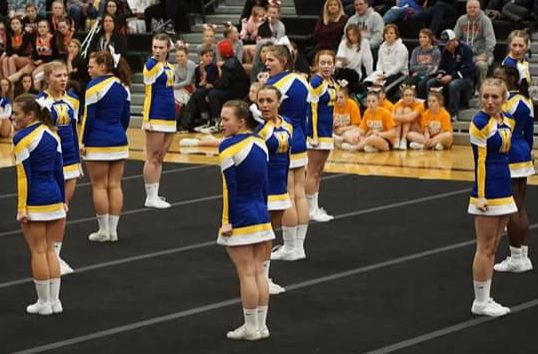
[(29, 103)]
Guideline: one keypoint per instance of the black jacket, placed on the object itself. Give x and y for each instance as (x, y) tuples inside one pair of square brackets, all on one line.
[(233, 77)]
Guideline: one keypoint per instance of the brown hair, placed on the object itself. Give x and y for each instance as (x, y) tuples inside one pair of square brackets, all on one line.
[(428, 32), (438, 95), (123, 71), (27, 102), (241, 111), (53, 65), (271, 88), (162, 37), (326, 11), (355, 28), (318, 56), (393, 27), (257, 11), (283, 55)]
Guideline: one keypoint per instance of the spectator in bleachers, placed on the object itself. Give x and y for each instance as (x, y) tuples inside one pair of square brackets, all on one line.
[(25, 85), (518, 46), (109, 36), (392, 62), (57, 12), (300, 63), (456, 71), (407, 112), (370, 23), (6, 97), (249, 31), (208, 40), (3, 39), (435, 125), (330, 27), (424, 62), (258, 65), (183, 75), (231, 84), (476, 30), (76, 67), (112, 7), (18, 48), (353, 53), (31, 19), (512, 10), (168, 10), (278, 29), (231, 33), (63, 36), (80, 10), (401, 10), (435, 12), (249, 4)]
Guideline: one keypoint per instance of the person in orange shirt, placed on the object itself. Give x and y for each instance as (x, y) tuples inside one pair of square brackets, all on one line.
[(383, 101), (347, 116), (436, 126), (407, 113), (376, 131)]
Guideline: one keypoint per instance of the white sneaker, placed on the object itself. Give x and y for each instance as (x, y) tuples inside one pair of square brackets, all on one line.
[(241, 333), (264, 332), (528, 263), (98, 237), (416, 146), (283, 254), (275, 289), (439, 147), (39, 308), (397, 145), (64, 267), (200, 127), (513, 266), (347, 147), (338, 140), (368, 148), (403, 144), (208, 138), (300, 254), (212, 129), (56, 306), (113, 238), (490, 308), (157, 203), (321, 215), (188, 142)]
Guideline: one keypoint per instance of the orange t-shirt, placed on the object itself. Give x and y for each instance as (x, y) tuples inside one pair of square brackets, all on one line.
[(387, 105), (380, 121), (347, 115), (416, 106), (436, 123)]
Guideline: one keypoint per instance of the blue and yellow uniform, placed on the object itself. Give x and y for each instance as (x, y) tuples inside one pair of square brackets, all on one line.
[(522, 67), (106, 118), (490, 141), (243, 162), (277, 138), (320, 124), (64, 112), (294, 105), (40, 178), (159, 104), (5, 108), (522, 111)]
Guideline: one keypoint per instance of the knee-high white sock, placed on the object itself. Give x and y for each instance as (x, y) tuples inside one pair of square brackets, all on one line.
[(113, 224), (57, 248), (516, 253), (266, 266), (289, 234), (482, 290), (312, 200), (102, 221), (42, 288), (301, 235), (152, 190), (525, 251), (262, 317), (55, 289), (251, 319)]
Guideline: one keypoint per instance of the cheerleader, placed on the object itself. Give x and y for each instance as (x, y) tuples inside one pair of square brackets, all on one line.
[(64, 113), (159, 117), (246, 228), (436, 126), (407, 112), (347, 116), (103, 138), (521, 166), (320, 129), (5, 107), (294, 105), (41, 205), (491, 199), (518, 46)]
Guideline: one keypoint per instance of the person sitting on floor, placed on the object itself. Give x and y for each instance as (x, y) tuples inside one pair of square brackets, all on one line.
[(347, 115), (407, 113)]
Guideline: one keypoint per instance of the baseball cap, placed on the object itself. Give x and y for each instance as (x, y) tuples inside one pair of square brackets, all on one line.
[(226, 48), (446, 36)]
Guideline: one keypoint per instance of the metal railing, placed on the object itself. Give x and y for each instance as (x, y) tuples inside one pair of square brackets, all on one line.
[(205, 5)]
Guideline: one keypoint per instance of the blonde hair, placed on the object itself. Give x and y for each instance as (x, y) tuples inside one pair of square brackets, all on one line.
[(494, 81), (257, 11), (318, 56), (520, 34), (326, 16), (53, 65)]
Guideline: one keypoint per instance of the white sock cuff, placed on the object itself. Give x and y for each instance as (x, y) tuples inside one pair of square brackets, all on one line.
[(301, 231), (516, 252)]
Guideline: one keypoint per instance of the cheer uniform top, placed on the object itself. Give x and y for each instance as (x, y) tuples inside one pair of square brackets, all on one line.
[(522, 67), (490, 141), (277, 138), (522, 110), (294, 106), (64, 113), (5, 108), (380, 121), (436, 123), (243, 162), (159, 104), (106, 118), (320, 125), (40, 179)]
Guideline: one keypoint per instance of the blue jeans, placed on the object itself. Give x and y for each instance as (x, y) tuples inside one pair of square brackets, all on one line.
[(75, 12), (435, 14), (393, 15), (455, 89)]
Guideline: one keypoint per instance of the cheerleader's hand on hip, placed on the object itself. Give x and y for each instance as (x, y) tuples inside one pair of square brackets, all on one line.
[(22, 217), (66, 207), (314, 142), (226, 230), (146, 126), (482, 204), (82, 150)]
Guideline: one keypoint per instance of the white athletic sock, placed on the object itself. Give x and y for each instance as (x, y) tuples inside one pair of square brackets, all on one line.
[(55, 289), (482, 290), (289, 234), (152, 190), (250, 316), (57, 248), (261, 317), (266, 266), (516, 253), (113, 224), (301, 235), (310, 201), (525, 251), (42, 288), (102, 221)]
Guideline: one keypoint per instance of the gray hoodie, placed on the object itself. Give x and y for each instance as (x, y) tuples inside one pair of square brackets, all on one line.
[(372, 23), (477, 33)]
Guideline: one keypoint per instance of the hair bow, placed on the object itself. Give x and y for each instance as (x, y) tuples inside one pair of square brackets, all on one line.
[(343, 83), (115, 57), (44, 103), (210, 26), (275, 3), (182, 44), (438, 89)]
